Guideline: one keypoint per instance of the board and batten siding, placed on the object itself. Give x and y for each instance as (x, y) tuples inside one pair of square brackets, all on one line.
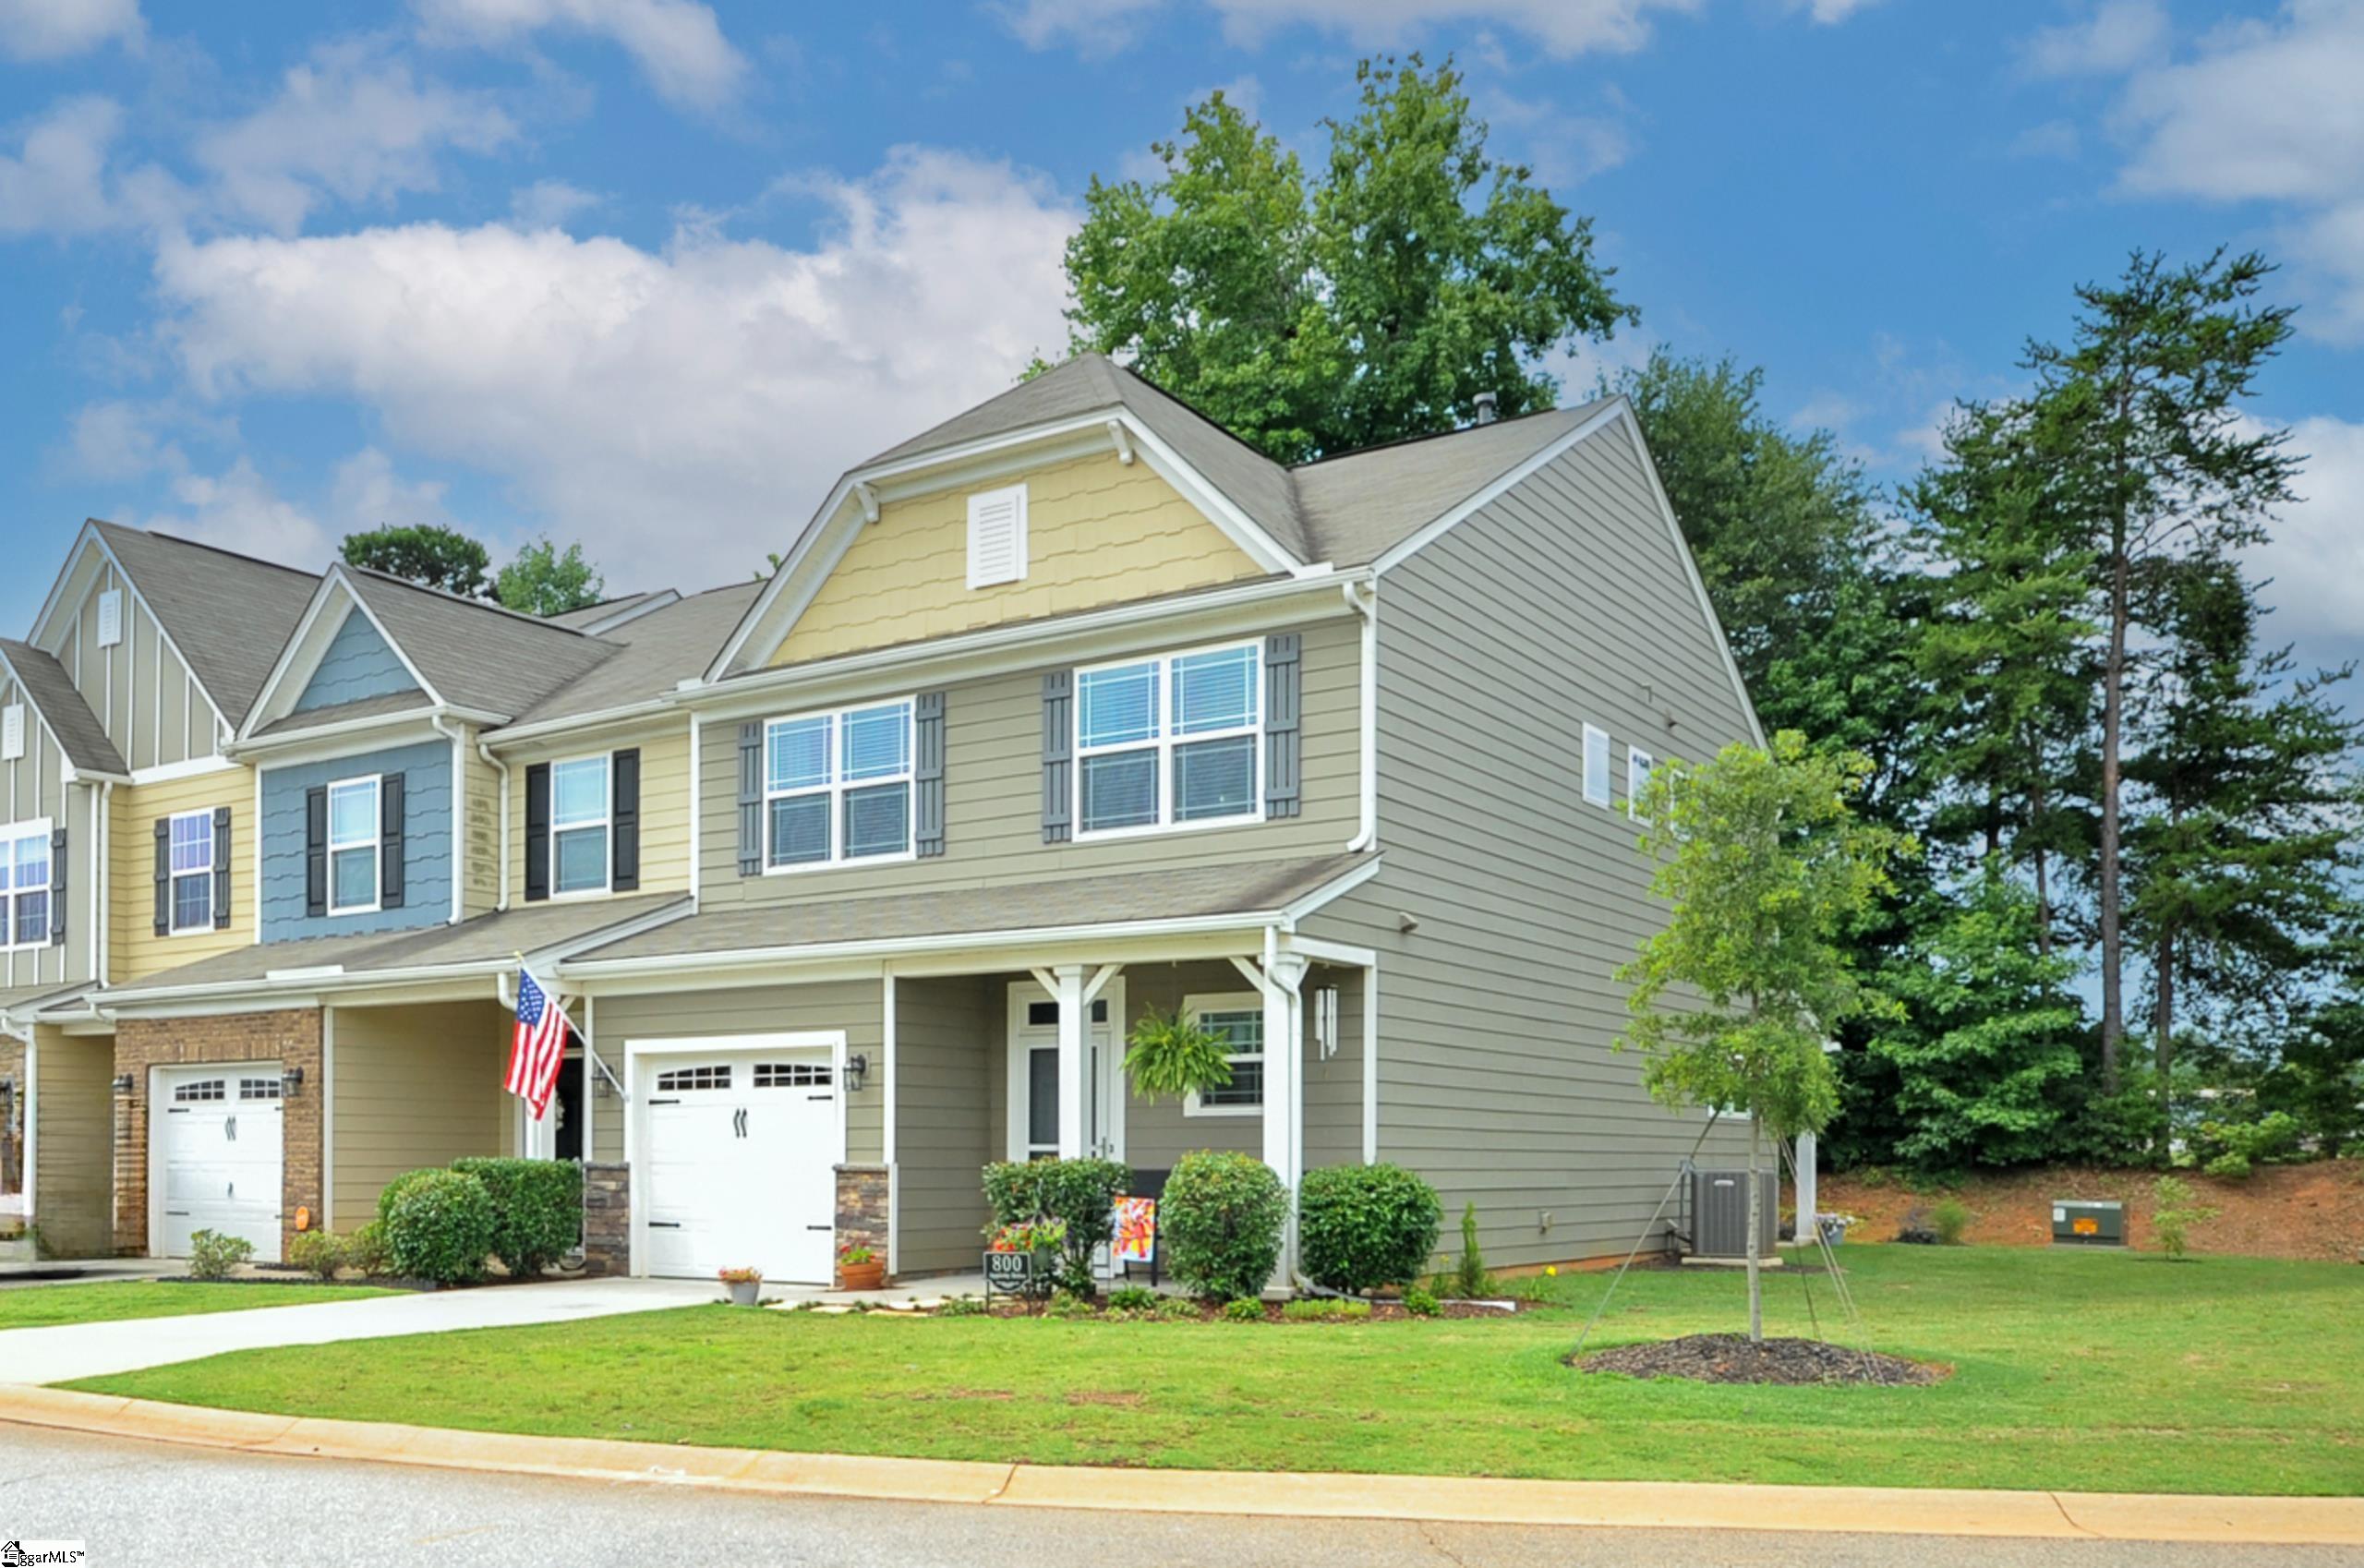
[(993, 796), (1098, 532), (664, 802), (415, 1086), (139, 690), (32, 790), (426, 768), (134, 950), (74, 1140), (1564, 602)]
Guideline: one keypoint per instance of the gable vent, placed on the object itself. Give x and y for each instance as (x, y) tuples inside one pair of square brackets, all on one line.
[(110, 618), (12, 732), (997, 537)]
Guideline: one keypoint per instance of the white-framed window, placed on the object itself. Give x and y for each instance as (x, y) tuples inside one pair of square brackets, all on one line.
[(24, 867), (1596, 765), (1639, 766), (191, 865), (837, 787), (12, 732), (1239, 1018), (1172, 742), (354, 828), (579, 822), (997, 537)]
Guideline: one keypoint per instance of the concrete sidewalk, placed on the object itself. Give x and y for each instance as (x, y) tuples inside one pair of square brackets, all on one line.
[(88, 1350)]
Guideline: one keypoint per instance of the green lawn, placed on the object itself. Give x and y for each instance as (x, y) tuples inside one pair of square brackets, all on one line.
[(2084, 1371), (42, 1305)]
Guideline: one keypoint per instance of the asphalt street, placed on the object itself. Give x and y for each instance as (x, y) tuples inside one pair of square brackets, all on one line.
[(136, 1502)]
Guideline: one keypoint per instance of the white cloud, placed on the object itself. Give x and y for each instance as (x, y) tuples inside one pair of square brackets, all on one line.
[(115, 439), (238, 509), (2316, 556), (682, 409), (1092, 27), (353, 122), (1831, 11), (547, 204), (2116, 37), (56, 182), (1563, 27), (2053, 138), (366, 493), (53, 29), (678, 45), (1564, 149)]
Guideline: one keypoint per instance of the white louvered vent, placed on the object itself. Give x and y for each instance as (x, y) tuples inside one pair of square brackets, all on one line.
[(997, 537), (12, 732), (110, 618)]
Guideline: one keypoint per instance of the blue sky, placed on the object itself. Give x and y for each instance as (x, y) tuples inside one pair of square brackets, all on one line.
[(649, 273)]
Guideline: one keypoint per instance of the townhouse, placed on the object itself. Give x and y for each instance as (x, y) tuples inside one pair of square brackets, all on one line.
[(1069, 708)]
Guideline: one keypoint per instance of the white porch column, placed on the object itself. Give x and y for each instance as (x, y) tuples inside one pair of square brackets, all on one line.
[(1278, 979), (1067, 988), (1806, 1188)]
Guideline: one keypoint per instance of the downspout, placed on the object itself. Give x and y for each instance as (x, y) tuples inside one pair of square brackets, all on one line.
[(459, 813), (500, 767), (102, 820), (1364, 599)]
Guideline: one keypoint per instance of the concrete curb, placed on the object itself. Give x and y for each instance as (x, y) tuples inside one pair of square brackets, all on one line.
[(2275, 1521)]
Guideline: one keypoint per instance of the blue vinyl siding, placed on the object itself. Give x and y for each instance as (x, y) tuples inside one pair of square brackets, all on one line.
[(427, 842), (358, 664)]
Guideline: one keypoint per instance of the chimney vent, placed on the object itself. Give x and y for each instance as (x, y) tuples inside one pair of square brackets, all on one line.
[(1485, 409)]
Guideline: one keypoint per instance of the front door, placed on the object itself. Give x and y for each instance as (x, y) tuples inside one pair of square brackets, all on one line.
[(1034, 1076)]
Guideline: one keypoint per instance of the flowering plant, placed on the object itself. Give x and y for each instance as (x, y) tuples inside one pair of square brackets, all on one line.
[(856, 1253), (741, 1277), (1031, 1236)]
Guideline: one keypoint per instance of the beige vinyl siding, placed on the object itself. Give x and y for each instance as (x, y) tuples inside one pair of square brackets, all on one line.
[(480, 835), (944, 1034), (415, 1086), (856, 1007), (74, 1197), (1563, 602), (138, 689), (134, 950), (993, 796), (32, 790), (664, 804), (1098, 532)]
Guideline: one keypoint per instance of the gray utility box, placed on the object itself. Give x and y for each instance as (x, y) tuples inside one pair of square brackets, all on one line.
[(2076, 1223), (1719, 1213)]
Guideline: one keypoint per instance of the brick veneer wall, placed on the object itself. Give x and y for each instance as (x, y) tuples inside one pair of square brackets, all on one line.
[(291, 1038), (607, 1219), (861, 1207)]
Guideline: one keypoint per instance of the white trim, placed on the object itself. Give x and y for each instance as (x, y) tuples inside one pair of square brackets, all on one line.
[(194, 767), (338, 577), (892, 1073), (328, 1122), (460, 834), (592, 1071), (377, 844), (1370, 1066), (31, 1038), (1164, 740), (257, 852), (1596, 751), (836, 787), (1364, 597), (172, 875), (1411, 545), (606, 824), (1199, 1003), (1019, 1038), (1341, 955), (697, 783), (45, 829)]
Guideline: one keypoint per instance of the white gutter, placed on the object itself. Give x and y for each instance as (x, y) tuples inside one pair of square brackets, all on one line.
[(485, 750), (99, 797), (1364, 597), (263, 745)]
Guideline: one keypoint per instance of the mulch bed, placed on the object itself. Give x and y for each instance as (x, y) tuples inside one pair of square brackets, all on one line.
[(1731, 1359), (1381, 1313)]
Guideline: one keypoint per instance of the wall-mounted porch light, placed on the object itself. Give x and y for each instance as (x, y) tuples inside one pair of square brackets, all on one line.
[(857, 1068), (123, 1083), (291, 1080)]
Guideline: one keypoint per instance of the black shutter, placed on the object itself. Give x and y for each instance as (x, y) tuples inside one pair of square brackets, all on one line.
[(163, 876), (623, 816), (1058, 755), (390, 841), (57, 888), (1282, 687), (751, 799), (316, 851), (537, 832), (220, 868), (927, 775)]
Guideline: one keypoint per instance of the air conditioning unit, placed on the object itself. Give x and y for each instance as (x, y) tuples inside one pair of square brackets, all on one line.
[(1717, 1227), (2080, 1223)]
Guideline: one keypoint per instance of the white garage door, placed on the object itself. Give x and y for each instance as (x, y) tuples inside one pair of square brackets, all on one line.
[(218, 1138), (739, 1154)]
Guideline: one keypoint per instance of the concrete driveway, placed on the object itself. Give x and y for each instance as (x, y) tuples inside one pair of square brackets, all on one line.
[(91, 1350)]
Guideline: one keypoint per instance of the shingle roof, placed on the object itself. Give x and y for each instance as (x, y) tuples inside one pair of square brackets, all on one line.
[(593, 616), (476, 654), (1162, 894), (53, 691), (229, 614), (658, 651), (410, 701), (24, 998)]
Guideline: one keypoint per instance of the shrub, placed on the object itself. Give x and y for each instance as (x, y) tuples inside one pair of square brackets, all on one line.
[(390, 1194), (1131, 1298), (211, 1255), (1420, 1304), (536, 1210), (1247, 1310), (1082, 1193), (1915, 1229), (961, 1306), (1362, 1226), (1176, 1310), (364, 1250), (1469, 1280), (2175, 1211), (441, 1228), (1067, 1304), (1221, 1218), (1325, 1310), (2239, 1147), (1949, 1219), (317, 1252)]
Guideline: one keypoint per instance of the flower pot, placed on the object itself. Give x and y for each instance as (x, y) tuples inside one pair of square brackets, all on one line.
[(862, 1276), (745, 1293), (1834, 1231)]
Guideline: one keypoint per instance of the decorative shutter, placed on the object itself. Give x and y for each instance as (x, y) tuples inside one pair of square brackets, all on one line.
[(537, 832), (316, 851), (57, 888), (1058, 755), (997, 537), (390, 841), (623, 816), (751, 799), (927, 774), (1282, 701), (163, 876), (220, 868)]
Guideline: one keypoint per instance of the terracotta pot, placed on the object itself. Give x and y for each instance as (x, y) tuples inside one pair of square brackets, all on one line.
[(862, 1276)]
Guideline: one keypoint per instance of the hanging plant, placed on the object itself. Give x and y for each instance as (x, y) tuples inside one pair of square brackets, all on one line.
[(1167, 1054)]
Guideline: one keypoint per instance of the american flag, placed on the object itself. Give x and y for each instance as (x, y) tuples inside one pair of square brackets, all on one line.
[(540, 1045)]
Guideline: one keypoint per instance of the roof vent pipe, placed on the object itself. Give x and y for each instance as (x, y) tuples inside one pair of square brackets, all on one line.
[(1485, 409)]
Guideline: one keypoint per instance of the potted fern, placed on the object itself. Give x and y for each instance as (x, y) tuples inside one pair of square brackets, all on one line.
[(1168, 1054)]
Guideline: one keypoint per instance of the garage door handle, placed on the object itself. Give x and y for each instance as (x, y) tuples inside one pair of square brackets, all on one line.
[(177, 1213), (820, 1227), (176, 1110), (664, 1224), (231, 1127), (664, 1102)]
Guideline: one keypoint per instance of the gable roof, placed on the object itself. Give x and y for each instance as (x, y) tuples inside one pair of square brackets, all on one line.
[(228, 614), (610, 613), (471, 654), (52, 693)]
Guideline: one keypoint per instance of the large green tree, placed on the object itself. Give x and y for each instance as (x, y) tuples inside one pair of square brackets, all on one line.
[(425, 554), (545, 580), (1368, 301)]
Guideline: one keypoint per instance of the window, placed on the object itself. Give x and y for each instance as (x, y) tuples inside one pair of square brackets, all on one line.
[(24, 870), (997, 537), (837, 787), (1170, 742), (793, 1075), (12, 732), (192, 870), (1639, 766), (1045, 1015), (205, 1089), (258, 1088), (1596, 765), (680, 1079), (353, 847), (579, 826), (1239, 1020)]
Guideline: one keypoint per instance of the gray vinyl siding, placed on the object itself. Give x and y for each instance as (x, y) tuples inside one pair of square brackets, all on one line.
[(357, 663), (1334, 1089), (1563, 602), (993, 788), (944, 1034), (138, 689), (32, 790)]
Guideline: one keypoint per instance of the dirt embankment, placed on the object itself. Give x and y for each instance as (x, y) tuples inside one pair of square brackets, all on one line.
[(2313, 1211)]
